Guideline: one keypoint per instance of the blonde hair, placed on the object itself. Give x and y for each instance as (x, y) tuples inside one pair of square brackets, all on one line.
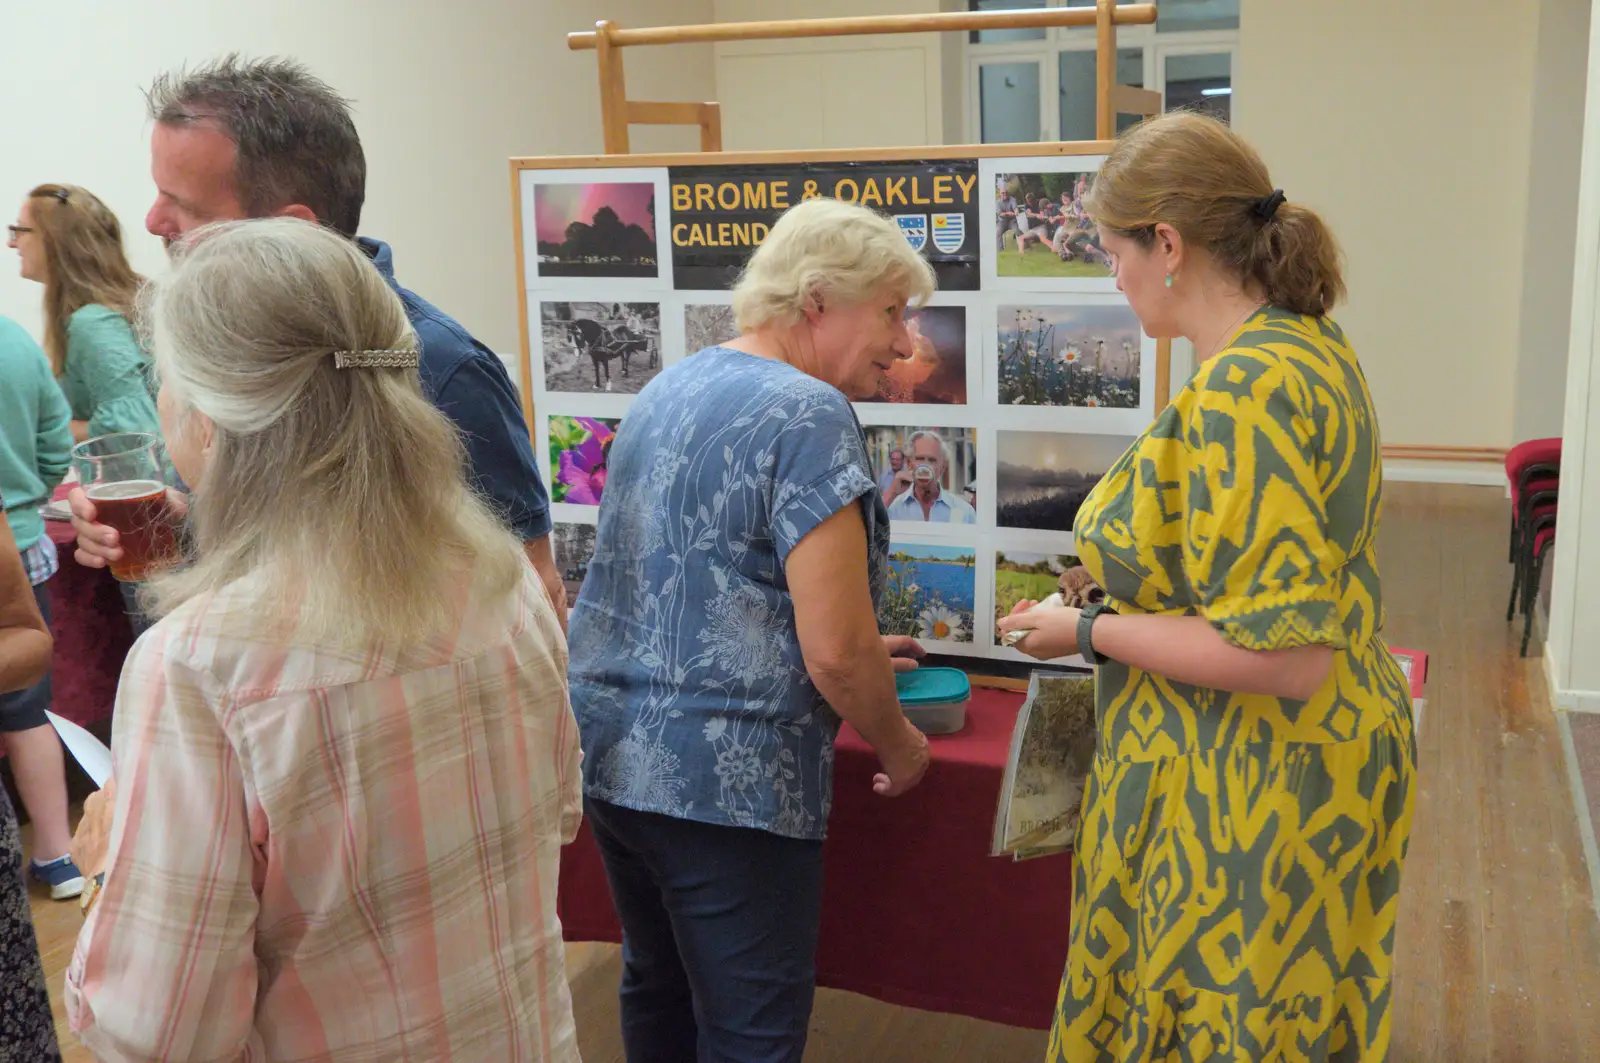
[(344, 488), (823, 249), (1195, 174), (84, 261)]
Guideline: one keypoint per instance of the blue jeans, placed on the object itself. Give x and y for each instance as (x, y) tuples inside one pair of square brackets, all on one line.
[(719, 937), (138, 619), (24, 710)]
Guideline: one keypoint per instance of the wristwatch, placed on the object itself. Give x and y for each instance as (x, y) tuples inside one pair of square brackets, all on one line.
[(1086, 618)]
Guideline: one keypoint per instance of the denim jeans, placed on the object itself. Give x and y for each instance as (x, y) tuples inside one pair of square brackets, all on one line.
[(719, 930), (25, 709), (138, 620)]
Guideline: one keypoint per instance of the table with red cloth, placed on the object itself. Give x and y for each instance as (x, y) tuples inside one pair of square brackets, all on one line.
[(91, 632), (914, 909)]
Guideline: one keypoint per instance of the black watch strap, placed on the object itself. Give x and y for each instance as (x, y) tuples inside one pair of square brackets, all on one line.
[(1086, 618)]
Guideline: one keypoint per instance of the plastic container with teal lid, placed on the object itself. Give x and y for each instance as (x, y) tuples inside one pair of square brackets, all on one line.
[(935, 699)]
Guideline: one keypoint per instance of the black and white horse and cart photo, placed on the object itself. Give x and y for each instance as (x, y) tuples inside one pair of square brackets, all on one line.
[(600, 347)]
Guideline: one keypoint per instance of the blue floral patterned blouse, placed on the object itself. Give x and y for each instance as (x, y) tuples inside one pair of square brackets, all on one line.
[(686, 673)]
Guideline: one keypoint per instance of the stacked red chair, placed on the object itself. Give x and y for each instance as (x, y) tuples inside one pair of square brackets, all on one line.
[(1533, 470)]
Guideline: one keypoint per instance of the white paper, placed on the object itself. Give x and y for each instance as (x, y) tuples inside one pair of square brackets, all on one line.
[(90, 753)]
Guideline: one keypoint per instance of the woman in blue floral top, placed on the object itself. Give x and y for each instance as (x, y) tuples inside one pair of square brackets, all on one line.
[(726, 625)]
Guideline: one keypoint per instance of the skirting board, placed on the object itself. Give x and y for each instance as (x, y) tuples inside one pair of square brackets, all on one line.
[(1580, 805), (1570, 700), (1480, 474)]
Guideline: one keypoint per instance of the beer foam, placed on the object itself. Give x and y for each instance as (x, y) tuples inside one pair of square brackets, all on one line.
[(125, 489)]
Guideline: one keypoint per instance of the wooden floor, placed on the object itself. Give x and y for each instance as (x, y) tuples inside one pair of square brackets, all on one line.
[(1498, 951)]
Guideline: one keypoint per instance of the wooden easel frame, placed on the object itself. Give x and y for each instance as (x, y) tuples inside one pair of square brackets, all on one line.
[(617, 112)]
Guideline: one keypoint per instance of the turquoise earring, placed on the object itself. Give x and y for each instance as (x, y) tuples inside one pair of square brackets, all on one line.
[(1169, 280)]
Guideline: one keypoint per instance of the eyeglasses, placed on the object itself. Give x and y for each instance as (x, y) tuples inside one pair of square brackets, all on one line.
[(18, 230)]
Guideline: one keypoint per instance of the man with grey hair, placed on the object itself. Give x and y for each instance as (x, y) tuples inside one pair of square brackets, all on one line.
[(241, 138), (927, 500)]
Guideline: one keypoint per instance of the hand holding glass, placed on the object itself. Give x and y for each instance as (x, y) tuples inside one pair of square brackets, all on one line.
[(124, 476)]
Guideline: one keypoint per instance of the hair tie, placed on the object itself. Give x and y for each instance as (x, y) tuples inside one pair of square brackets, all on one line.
[(1267, 206)]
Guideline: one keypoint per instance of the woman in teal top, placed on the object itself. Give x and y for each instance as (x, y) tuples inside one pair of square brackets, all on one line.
[(71, 243), (35, 452)]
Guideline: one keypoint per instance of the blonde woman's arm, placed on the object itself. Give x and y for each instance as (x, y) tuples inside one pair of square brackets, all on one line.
[(165, 966), (25, 643), (845, 656)]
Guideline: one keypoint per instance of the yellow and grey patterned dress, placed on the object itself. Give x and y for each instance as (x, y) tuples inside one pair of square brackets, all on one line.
[(1238, 863)]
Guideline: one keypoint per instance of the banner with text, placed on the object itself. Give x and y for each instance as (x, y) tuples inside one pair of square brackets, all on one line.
[(720, 214)]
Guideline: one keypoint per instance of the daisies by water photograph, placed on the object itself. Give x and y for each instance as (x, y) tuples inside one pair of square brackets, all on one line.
[(931, 592), (579, 450), (1083, 355), (600, 347), (1042, 478)]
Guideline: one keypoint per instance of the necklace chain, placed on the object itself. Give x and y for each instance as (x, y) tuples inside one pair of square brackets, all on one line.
[(1227, 332)]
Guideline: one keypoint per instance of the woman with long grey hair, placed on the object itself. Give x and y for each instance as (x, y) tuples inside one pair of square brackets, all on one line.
[(344, 758)]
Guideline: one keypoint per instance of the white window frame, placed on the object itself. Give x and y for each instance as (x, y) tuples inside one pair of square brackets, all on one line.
[(1156, 48), (1230, 49), (1049, 95)]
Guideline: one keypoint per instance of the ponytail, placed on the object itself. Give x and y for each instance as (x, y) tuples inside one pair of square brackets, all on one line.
[(1195, 174), (1295, 260)]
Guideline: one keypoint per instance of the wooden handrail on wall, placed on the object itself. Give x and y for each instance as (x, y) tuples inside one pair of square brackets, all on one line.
[(617, 112), (1426, 452)]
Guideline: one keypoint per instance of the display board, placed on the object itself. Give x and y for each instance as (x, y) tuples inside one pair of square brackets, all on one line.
[(1031, 375)]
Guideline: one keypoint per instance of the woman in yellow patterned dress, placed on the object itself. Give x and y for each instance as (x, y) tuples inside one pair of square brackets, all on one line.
[(1247, 815)]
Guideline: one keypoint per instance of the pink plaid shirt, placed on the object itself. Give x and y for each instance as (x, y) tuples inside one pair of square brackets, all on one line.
[(329, 856)]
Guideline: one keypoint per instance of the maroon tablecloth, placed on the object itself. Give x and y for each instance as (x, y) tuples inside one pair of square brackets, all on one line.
[(915, 912), (91, 632)]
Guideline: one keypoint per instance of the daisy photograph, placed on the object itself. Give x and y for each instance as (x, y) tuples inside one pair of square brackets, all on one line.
[(1085, 356), (930, 594)]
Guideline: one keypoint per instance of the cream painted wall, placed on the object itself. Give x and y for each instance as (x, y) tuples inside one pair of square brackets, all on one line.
[(1556, 145), (843, 92), (1571, 663), (1408, 126), (444, 96)]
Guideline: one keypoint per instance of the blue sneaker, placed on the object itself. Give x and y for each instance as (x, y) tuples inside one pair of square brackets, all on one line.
[(62, 876)]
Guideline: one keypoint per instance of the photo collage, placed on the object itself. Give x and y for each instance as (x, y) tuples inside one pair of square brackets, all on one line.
[(1028, 375)]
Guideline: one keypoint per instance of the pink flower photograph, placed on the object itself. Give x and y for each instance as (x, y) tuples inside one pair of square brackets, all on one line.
[(579, 447)]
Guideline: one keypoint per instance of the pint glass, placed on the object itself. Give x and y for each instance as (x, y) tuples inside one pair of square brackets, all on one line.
[(125, 477)]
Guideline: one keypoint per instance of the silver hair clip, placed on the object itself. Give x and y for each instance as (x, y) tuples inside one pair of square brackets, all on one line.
[(385, 358)]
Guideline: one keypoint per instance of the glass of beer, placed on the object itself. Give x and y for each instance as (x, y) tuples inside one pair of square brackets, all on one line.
[(125, 476)]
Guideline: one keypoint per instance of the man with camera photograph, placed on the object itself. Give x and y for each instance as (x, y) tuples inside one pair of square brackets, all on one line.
[(918, 492)]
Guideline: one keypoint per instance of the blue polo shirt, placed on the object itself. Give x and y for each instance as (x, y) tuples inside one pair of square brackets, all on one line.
[(469, 384)]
